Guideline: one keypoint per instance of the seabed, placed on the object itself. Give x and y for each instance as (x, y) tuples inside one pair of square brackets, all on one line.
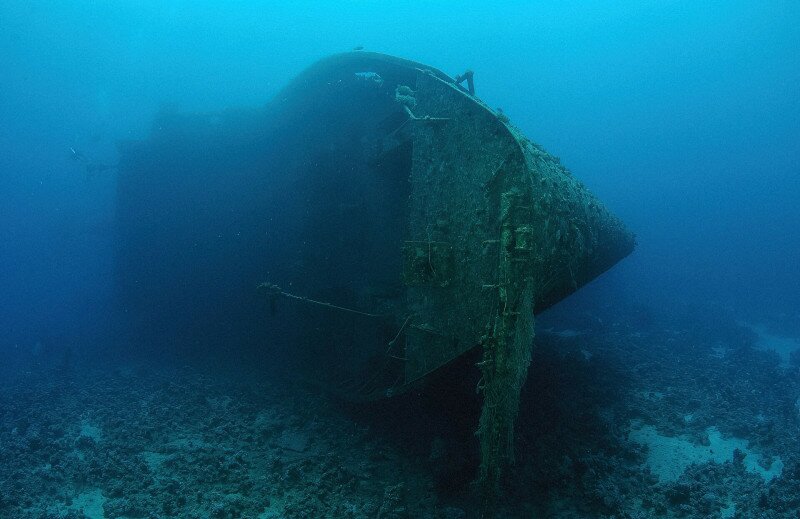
[(624, 415)]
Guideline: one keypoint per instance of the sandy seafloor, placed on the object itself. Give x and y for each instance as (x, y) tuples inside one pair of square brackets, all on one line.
[(691, 415)]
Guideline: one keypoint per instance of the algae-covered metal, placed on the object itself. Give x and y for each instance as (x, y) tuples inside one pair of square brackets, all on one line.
[(486, 214), (491, 228), (403, 221)]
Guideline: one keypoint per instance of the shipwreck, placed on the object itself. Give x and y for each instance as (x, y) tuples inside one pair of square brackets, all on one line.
[(392, 219)]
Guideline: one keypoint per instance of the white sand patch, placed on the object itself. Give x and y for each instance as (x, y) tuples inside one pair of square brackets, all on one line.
[(296, 441), (767, 341), (91, 431), (90, 503), (728, 511), (154, 460), (274, 509), (668, 457)]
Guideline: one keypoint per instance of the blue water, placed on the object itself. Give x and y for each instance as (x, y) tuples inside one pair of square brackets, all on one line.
[(682, 117)]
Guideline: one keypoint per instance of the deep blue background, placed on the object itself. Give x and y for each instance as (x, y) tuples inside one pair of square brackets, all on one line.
[(683, 117)]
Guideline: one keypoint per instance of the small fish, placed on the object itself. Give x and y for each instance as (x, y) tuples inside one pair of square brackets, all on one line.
[(77, 155)]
